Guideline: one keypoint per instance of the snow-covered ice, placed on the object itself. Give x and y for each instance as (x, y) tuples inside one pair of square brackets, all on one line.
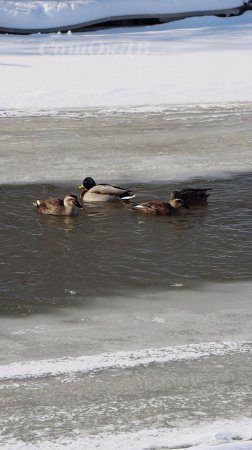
[(199, 60), (70, 366), (218, 435), (52, 13)]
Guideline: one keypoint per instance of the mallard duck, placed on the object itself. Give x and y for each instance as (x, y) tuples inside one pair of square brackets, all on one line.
[(159, 208), (58, 207), (192, 196), (103, 192)]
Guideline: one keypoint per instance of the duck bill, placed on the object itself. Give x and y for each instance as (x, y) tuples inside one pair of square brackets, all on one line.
[(81, 186)]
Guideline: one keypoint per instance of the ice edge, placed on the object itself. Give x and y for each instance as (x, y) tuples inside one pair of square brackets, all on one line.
[(119, 360)]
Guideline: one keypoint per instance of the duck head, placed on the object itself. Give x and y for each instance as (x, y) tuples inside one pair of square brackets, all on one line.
[(72, 200), (178, 203), (88, 183)]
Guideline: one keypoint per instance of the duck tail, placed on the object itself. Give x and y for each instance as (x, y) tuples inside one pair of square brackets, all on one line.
[(127, 195)]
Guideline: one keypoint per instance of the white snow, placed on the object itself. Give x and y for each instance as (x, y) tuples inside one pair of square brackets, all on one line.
[(199, 60), (48, 14), (82, 364), (217, 435)]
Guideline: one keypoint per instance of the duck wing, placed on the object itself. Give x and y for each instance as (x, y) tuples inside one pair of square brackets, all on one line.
[(191, 195), (156, 207), (50, 202), (195, 191), (109, 189), (49, 205)]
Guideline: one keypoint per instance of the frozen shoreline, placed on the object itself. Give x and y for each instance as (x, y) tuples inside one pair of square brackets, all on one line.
[(218, 435), (152, 110)]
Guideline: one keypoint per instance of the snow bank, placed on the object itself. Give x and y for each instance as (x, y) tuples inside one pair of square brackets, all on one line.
[(201, 61), (217, 435), (50, 14)]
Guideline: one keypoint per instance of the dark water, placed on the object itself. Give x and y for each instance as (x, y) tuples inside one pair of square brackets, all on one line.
[(110, 249)]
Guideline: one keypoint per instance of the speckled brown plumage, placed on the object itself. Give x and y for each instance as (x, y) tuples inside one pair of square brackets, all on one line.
[(159, 208), (57, 206)]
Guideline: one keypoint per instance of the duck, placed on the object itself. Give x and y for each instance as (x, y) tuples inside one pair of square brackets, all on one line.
[(192, 196), (159, 208), (57, 206), (103, 192)]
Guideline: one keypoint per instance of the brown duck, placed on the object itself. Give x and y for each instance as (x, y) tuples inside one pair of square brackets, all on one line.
[(58, 207), (191, 196), (159, 208)]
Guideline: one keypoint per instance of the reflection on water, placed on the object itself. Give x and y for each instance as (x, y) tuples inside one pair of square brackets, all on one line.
[(110, 249)]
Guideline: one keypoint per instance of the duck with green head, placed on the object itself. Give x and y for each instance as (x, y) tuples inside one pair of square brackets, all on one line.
[(93, 192)]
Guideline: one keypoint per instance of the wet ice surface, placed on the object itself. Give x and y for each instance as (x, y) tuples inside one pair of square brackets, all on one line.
[(176, 143), (128, 400), (112, 280)]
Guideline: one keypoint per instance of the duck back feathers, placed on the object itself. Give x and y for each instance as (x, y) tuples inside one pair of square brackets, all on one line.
[(192, 196), (159, 208)]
